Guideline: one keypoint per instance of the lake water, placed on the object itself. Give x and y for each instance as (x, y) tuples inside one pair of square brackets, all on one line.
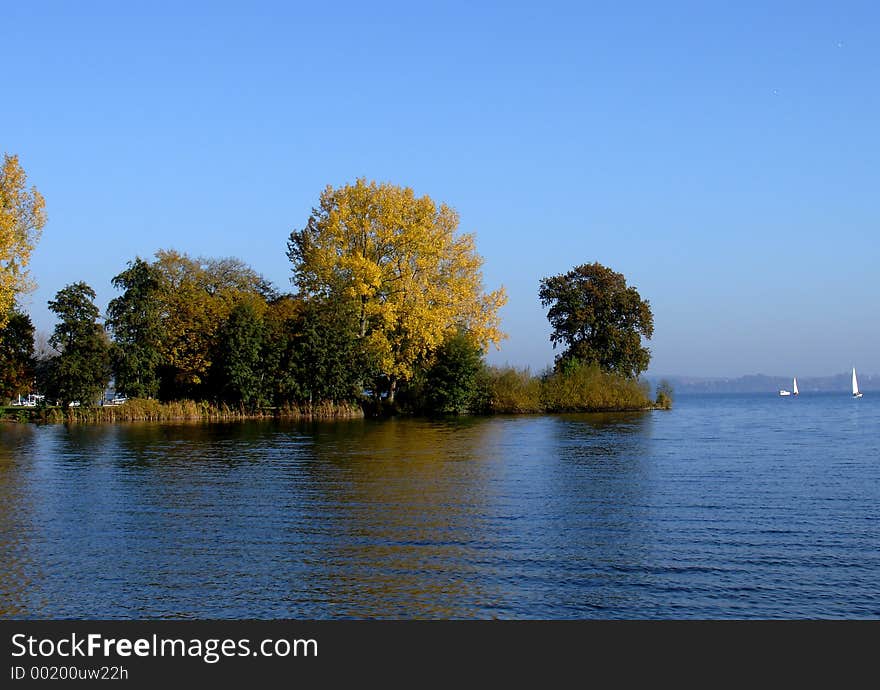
[(727, 506)]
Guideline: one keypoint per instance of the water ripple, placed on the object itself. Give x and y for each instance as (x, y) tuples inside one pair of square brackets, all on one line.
[(726, 507)]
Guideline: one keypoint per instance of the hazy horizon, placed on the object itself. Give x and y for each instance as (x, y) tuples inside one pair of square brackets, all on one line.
[(805, 377), (723, 159)]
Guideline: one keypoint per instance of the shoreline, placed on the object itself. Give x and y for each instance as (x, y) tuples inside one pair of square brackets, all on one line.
[(189, 411), (180, 411)]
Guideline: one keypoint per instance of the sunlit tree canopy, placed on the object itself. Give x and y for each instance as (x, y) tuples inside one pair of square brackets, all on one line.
[(399, 259), (22, 217)]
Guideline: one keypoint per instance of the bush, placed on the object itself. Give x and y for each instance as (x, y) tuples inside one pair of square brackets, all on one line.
[(580, 387), (664, 395), (512, 391), (450, 384)]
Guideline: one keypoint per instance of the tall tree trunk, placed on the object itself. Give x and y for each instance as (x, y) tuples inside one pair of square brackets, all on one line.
[(392, 387)]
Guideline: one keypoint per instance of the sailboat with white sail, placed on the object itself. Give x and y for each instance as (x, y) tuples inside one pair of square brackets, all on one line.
[(785, 393), (855, 385)]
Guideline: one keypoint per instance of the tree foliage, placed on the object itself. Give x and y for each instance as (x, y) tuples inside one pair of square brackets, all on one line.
[(16, 356), (599, 319), (134, 319), (237, 370), (82, 369), (400, 264), (279, 324), (195, 297), (326, 359), (664, 395), (451, 382), (22, 217)]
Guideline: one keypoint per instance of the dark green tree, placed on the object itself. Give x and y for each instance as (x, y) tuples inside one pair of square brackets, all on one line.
[(326, 361), (237, 371), (598, 319), (16, 356), (82, 369), (451, 382), (280, 323), (134, 320)]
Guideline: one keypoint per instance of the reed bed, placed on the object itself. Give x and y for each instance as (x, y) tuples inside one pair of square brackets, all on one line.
[(148, 410), (582, 388)]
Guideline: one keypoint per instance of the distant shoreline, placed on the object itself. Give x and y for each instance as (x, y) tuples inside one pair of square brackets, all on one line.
[(761, 383)]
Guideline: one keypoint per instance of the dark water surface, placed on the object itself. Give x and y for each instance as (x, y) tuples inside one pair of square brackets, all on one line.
[(727, 506)]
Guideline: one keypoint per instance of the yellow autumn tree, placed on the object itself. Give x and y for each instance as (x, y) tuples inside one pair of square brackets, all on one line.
[(413, 279), (22, 217)]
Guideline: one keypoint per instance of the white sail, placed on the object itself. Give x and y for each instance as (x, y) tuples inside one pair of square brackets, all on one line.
[(855, 383), (794, 386)]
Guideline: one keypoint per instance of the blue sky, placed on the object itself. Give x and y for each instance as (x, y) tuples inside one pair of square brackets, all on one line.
[(725, 159)]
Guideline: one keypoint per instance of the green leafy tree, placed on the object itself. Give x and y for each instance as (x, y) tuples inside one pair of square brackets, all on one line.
[(134, 319), (280, 323), (451, 382), (82, 369), (16, 356), (599, 319), (237, 371), (326, 361)]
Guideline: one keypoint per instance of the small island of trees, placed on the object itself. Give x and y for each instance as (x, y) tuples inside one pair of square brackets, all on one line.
[(390, 315)]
